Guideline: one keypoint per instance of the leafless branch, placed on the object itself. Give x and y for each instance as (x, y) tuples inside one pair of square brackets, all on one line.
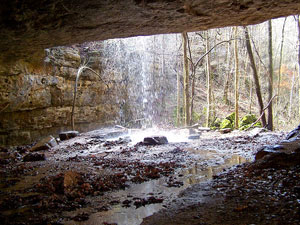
[(79, 72), (263, 112)]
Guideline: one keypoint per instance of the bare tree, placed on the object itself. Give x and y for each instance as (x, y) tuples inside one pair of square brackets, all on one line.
[(280, 70), (271, 71), (291, 96), (226, 84), (209, 82), (255, 76), (186, 80), (298, 23), (178, 99), (236, 78)]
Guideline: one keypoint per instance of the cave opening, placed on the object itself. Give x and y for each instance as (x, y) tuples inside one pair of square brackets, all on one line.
[(177, 128)]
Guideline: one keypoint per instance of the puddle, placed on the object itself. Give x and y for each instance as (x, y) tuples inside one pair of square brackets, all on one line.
[(134, 216)]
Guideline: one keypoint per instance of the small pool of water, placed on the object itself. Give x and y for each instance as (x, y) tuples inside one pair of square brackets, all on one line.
[(134, 216)]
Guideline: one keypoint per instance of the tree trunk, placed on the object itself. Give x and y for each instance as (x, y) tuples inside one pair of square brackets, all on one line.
[(209, 81), (298, 20), (178, 99), (255, 76), (270, 86), (251, 93), (291, 97), (280, 71), (186, 80), (193, 81), (236, 79), (226, 85)]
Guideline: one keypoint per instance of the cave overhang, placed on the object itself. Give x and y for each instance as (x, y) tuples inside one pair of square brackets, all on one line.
[(28, 27)]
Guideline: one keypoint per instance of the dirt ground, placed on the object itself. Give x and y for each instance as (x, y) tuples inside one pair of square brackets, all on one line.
[(101, 177)]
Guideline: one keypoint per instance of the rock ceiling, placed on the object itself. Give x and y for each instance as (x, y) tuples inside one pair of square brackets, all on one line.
[(29, 26)]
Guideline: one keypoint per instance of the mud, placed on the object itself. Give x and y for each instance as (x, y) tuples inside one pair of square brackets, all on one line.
[(101, 177)]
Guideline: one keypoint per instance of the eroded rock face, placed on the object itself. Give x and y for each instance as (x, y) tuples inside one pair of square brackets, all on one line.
[(27, 27), (37, 103)]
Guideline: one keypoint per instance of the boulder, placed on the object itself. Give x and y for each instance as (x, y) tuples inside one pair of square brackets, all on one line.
[(225, 130), (290, 146), (216, 124), (248, 119), (294, 133), (266, 150), (44, 144), (155, 140), (278, 159), (68, 135), (226, 124), (30, 157)]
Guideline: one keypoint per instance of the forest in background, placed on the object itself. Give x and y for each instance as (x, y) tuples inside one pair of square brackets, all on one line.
[(207, 75)]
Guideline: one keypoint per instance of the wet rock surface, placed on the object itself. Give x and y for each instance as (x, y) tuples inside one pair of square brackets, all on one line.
[(258, 193), (44, 144), (68, 135), (30, 157), (263, 192), (95, 180), (155, 140)]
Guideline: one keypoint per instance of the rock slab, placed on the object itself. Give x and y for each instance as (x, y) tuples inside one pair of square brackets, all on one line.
[(68, 135), (155, 140), (31, 157), (44, 144)]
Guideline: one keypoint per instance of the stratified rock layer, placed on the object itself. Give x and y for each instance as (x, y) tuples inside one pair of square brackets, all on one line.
[(34, 104)]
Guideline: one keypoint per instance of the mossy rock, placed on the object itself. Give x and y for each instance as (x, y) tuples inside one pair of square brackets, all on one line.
[(258, 124), (216, 124), (248, 119), (245, 127), (231, 117), (226, 124)]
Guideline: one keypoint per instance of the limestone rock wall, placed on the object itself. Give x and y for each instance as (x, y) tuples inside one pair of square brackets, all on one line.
[(35, 102)]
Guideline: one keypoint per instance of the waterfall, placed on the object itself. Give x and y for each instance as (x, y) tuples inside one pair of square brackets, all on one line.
[(145, 65)]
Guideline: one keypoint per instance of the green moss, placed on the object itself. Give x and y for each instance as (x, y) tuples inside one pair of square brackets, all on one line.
[(231, 117), (248, 119), (258, 124), (245, 127), (226, 124), (216, 124)]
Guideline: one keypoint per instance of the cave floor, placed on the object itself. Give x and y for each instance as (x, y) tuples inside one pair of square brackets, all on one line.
[(100, 177)]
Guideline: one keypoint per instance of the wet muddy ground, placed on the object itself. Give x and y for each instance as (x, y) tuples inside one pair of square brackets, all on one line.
[(101, 177)]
